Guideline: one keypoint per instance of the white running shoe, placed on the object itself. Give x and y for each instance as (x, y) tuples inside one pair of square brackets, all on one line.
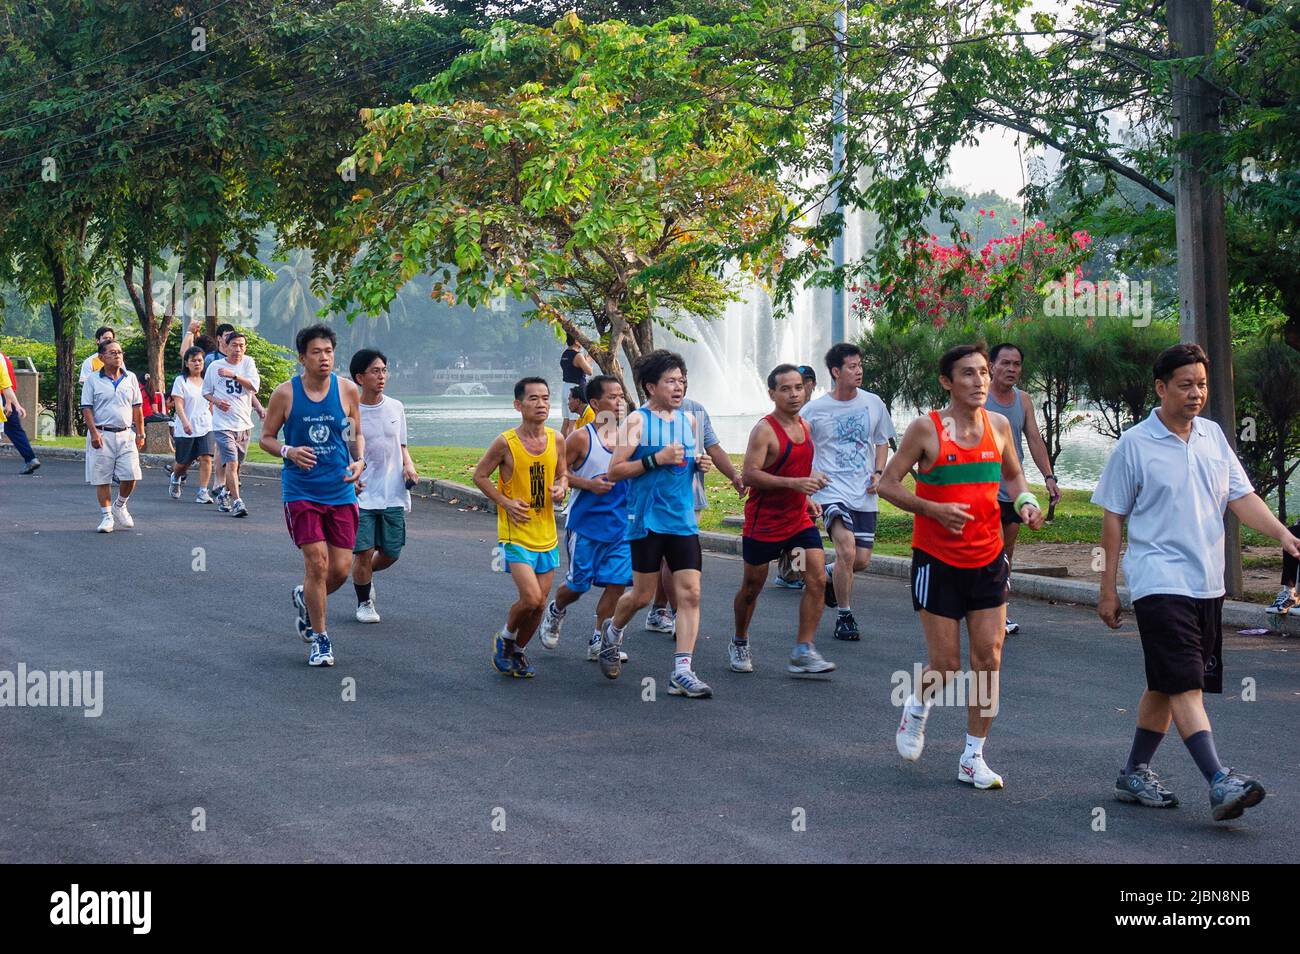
[(204, 496), (105, 525), (911, 734), (552, 620), (593, 649), (366, 612), (1012, 627), (975, 771), (659, 619), (741, 659), (122, 515)]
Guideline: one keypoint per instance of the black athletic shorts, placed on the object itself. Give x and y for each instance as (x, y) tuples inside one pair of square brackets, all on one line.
[(1182, 642), (953, 591), (1009, 514), (762, 552), (682, 551)]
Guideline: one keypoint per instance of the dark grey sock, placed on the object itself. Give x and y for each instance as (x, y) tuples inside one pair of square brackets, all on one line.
[(1145, 743), (363, 592), (1201, 745)]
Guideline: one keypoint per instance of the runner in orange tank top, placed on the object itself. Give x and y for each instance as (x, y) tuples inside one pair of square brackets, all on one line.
[(959, 569)]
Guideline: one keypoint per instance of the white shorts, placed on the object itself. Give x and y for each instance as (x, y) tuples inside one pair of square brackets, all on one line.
[(117, 457)]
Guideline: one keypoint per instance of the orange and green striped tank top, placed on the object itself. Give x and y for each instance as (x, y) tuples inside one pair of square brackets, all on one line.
[(968, 475)]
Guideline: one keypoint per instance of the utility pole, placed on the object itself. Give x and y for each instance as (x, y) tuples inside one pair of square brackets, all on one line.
[(1202, 241), (838, 117)]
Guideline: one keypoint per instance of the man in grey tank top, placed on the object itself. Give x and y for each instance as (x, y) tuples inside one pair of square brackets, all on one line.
[(1004, 397)]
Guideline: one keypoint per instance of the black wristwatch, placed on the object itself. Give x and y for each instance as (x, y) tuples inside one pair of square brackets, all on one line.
[(1050, 477)]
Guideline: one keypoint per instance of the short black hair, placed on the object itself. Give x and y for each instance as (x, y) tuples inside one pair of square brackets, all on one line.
[(206, 343), (309, 334), (224, 328), (779, 370), (103, 346), (363, 359), (569, 339), (596, 386), (838, 354), (577, 393), (521, 386), (104, 330), (999, 348), (956, 353), (808, 372), (653, 365), (235, 333), (1175, 356), (190, 352)]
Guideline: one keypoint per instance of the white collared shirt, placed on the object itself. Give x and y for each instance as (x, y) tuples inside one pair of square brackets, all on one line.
[(112, 401), (1174, 494)]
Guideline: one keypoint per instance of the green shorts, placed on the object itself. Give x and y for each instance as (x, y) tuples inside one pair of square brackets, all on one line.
[(382, 530)]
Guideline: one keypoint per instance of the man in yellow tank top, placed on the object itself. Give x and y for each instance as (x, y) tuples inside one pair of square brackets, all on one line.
[(959, 567), (531, 480)]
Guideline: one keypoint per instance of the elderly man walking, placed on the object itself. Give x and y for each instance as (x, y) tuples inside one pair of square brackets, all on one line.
[(111, 404)]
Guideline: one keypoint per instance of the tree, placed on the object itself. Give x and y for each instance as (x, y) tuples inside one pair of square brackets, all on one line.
[(578, 168), (1117, 364), (1267, 381), (1054, 371)]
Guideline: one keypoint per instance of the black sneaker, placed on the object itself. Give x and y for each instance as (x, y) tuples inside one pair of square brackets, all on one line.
[(830, 594), (846, 627), (1283, 604), (1143, 787), (1231, 793)]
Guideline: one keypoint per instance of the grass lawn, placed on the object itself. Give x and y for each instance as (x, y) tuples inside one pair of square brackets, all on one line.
[(1076, 519)]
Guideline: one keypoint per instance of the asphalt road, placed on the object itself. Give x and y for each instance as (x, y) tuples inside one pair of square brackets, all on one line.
[(209, 704)]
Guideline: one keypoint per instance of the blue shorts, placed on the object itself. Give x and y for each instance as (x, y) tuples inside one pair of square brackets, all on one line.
[(542, 561), (862, 523), (596, 562)]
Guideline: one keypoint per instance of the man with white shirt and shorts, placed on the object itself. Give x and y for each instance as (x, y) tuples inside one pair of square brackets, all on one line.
[(229, 385), (386, 498), (851, 431), (111, 404), (1171, 477)]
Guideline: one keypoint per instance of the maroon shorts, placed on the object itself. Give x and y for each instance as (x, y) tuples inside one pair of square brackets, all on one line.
[(334, 524)]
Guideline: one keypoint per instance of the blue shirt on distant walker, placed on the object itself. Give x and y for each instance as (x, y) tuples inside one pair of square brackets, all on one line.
[(320, 425)]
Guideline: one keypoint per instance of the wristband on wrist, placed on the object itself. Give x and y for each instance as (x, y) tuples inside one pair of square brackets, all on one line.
[(1050, 477), (1026, 498), (284, 451), (648, 463)]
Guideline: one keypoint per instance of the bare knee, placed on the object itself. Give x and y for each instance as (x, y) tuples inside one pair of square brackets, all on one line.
[(317, 565)]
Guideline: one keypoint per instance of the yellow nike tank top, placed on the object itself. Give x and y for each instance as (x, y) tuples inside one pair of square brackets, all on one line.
[(531, 480)]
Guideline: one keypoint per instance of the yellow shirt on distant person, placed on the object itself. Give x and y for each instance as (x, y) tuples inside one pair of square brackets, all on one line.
[(531, 479), (587, 416), (4, 383)]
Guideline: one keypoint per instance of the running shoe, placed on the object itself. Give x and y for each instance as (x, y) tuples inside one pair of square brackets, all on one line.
[(223, 502), (1012, 627), (321, 652), (32, 467), (611, 664), (975, 771), (593, 648), (204, 496), (831, 601), (502, 659), (1284, 603), (522, 669), (1142, 786), (106, 524), (237, 509), (366, 612), (122, 515), (1231, 793), (689, 685), (809, 660), (788, 584), (741, 659), (300, 604), (660, 620), (846, 627), (910, 737), (552, 620), (174, 487)]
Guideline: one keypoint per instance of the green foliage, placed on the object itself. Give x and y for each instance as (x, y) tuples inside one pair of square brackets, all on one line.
[(43, 356), (1117, 363), (274, 364), (1266, 376)]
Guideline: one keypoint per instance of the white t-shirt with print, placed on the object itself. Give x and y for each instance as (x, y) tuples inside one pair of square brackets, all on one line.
[(383, 428), (240, 415), (196, 408), (845, 436)]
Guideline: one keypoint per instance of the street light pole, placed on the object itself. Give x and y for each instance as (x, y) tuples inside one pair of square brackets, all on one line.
[(838, 117)]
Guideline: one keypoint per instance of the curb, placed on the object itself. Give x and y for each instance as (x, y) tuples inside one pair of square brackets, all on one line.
[(1050, 589)]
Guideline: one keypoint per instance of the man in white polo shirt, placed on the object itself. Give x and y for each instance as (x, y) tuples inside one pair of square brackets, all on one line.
[(229, 385), (111, 404), (1172, 476)]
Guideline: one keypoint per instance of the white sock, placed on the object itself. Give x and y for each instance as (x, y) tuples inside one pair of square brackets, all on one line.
[(105, 509), (681, 662), (615, 631), (914, 706), (844, 610), (121, 501), (506, 634), (974, 747)]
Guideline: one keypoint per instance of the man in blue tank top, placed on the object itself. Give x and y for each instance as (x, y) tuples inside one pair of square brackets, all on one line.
[(597, 521), (324, 452), (658, 453)]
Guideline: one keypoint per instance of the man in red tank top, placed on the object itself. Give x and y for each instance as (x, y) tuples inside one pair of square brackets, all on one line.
[(959, 568), (779, 517)]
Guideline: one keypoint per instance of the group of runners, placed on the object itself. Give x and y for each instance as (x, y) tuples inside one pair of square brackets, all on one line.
[(634, 484)]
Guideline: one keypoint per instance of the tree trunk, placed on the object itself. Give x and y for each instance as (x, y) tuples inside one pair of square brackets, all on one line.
[(65, 349), (210, 294)]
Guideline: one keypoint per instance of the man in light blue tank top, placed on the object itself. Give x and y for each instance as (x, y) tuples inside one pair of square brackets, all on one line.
[(1006, 364), (324, 452), (595, 528), (659, 451)]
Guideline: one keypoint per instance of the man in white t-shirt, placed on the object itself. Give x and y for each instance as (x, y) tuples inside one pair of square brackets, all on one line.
[(385, 497), (1171, 477), (851, 430), (229, 385)]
